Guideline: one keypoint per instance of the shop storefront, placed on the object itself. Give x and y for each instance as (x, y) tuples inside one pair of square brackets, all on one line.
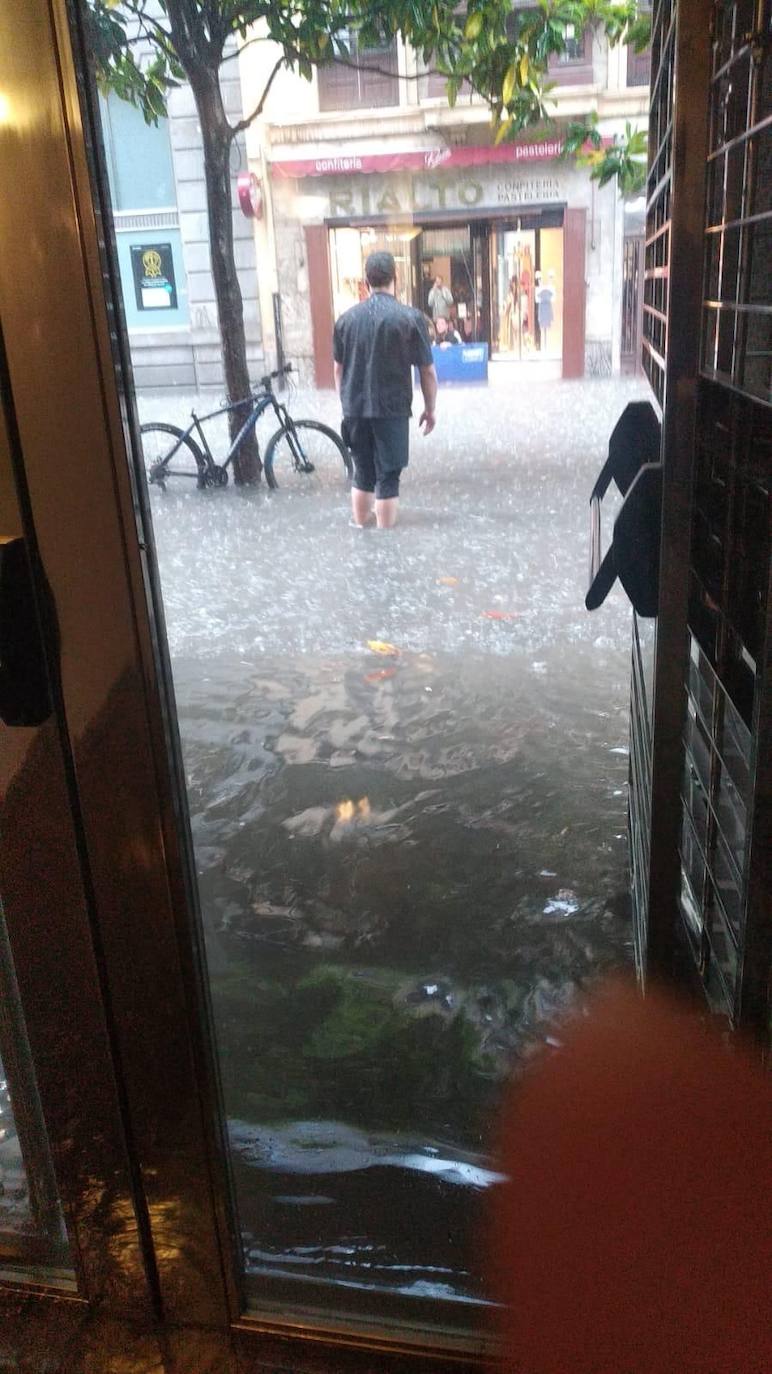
[(526, 248), (505, 277)]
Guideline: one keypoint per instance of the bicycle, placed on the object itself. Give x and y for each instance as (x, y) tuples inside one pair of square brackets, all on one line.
[(297, 449)]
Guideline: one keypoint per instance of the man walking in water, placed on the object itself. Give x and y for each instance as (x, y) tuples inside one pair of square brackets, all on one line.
[(376, 345)]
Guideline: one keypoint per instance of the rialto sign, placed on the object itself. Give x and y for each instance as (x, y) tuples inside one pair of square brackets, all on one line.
[(425, 194)]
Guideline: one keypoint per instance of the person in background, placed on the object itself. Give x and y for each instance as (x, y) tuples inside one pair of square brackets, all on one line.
[(440, 300), (454, 326), (376, 345), (447, 333)]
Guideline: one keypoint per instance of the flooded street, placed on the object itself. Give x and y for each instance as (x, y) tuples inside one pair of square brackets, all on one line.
[(406, 756)]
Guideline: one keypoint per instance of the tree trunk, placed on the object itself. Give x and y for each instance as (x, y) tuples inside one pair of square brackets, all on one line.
[(216, 136)]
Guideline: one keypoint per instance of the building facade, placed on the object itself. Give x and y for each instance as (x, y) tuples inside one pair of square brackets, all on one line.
[(359, 159), (156, 175)]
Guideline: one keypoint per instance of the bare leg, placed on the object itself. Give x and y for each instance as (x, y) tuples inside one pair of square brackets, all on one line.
[(386, 513), (361, 506)]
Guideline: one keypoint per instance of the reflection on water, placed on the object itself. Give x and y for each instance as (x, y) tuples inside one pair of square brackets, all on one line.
[(15, 1212), (406, 760)]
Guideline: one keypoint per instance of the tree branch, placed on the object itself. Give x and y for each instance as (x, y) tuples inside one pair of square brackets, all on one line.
[(155, 33), (258, 38), (381, 71), (245, 123), (159, 35)]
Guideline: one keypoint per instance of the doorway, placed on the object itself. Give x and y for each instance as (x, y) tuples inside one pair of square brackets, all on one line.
[(347, 822), (383, 857)]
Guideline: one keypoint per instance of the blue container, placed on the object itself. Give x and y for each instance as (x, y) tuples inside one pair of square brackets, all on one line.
[(461, 362)]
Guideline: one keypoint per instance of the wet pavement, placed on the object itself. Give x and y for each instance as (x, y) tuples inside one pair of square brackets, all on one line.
[(406, 756)]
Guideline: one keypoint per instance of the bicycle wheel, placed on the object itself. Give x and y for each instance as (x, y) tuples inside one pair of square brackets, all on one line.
[(308, 453), (169, 453)]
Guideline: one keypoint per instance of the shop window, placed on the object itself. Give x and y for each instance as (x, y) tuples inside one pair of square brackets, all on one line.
[(349, 251), (527, 290), (138, 156), (347, 85)]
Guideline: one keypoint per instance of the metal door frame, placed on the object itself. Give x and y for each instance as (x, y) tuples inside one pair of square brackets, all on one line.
[(671, 345)]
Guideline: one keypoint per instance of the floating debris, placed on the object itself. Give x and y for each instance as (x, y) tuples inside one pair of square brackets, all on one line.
[(382, 646), (352, 810)]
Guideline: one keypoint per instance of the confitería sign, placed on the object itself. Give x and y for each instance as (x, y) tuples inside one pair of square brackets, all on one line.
[(419, 160), (399, 196)]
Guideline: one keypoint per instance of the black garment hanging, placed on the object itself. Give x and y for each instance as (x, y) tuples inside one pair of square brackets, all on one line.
[(633, 556)]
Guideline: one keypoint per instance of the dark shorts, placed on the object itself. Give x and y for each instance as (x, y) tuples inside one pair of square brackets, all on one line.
[(380, 451)]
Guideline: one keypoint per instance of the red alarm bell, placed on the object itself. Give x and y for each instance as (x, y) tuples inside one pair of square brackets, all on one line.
[(250, 195)]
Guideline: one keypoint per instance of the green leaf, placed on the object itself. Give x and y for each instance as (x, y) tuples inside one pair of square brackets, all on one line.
[(473, 26), (508, 84), (503, 130)]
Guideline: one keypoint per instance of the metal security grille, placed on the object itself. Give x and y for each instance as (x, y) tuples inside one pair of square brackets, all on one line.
[(726, 734), (659, 195), (632, 273), (639, 793), (737, 341), (651, 263)]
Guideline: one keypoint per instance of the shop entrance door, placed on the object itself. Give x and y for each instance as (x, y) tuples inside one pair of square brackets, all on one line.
[(116, 1226)]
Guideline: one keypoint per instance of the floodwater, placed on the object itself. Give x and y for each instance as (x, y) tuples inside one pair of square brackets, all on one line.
[(412, 857)]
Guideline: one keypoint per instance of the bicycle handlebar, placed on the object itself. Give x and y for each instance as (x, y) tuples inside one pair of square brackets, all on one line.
[(272, 376)]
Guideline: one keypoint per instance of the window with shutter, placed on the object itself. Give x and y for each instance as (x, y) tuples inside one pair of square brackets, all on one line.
[(366, 79)]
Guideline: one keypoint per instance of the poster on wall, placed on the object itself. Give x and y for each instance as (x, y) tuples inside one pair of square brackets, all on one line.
[(152, 267)]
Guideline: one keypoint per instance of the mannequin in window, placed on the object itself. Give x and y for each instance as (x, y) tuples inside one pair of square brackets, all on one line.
[(545, 297), (526, 294), (510, 318)]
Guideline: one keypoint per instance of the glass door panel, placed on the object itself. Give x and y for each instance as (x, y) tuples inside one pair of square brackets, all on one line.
[(71, 1212), (527, 292), (349, 250), (513, 264)]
